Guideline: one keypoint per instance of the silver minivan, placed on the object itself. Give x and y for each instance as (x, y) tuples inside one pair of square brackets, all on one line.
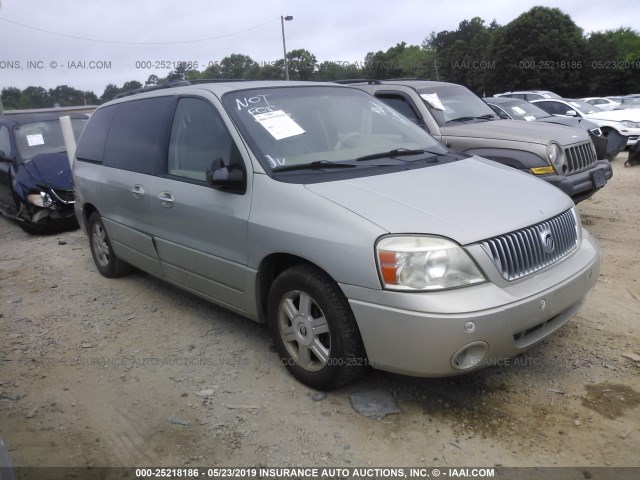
[(317, 209)]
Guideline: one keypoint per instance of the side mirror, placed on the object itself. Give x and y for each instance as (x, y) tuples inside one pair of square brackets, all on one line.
[(504, 116), (229, 179), (571, 113)]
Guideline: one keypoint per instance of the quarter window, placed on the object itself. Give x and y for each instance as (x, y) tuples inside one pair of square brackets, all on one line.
[(198, 137)]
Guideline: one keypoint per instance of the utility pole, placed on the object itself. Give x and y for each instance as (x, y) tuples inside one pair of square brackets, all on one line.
[(284, 45)]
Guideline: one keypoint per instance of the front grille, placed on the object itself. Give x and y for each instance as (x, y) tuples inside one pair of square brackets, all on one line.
[(579, 157), (533, 248), (65, 196)]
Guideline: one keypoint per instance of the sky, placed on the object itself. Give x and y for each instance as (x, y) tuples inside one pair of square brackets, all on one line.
[(88, 44)]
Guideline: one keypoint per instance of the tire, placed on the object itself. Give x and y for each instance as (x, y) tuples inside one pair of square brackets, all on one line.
[(103, 256), (314, 330)]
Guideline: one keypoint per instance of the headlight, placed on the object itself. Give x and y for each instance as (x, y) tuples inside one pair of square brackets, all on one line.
[(41, 199), (424, 263), (556, 157), (576, 215), (630, 124)]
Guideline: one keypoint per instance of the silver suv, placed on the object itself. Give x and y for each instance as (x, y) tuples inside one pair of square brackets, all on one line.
[(317, 209), (562, 156)]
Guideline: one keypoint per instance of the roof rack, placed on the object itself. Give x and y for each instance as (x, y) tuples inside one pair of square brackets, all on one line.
[(177, 83), (135, 91), (357, 80)]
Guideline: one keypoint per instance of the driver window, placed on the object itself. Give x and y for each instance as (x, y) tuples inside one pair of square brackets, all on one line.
[(198, 136), (5, 142)]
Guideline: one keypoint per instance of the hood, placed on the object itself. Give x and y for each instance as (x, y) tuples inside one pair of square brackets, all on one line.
[(532, 132), (50, 170), (632, 114), (582, 123), (467, 201)]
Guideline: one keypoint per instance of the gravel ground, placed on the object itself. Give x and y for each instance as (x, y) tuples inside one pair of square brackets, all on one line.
[(132, 371)]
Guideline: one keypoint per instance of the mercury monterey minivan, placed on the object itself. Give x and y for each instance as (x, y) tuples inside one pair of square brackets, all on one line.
[(346, 228)]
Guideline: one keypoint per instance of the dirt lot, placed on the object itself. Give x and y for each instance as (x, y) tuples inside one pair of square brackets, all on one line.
[(132, 372)]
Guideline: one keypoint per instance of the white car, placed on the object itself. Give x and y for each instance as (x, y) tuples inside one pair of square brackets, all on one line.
[(625, 122), (529, 95), (602, 102)]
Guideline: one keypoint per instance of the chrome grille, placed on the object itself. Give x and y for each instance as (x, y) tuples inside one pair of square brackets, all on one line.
[(65, 196), (579, 157), (526, 251)]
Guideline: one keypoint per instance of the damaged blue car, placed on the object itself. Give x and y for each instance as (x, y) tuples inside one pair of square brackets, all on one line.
[(36, 186)]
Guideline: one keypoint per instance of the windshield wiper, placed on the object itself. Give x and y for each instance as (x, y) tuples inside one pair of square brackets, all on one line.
[(397, 152), (318, 165), (466, 119)]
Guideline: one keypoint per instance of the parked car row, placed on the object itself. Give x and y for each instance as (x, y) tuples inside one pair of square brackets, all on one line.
[(625, 122), (563, 156), (608, 143), (356, 236)]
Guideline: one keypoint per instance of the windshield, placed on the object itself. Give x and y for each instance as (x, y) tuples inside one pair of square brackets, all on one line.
[(289, 126), (453, 103), (43, 137), (634, 104), (584, 107), (521, 110)]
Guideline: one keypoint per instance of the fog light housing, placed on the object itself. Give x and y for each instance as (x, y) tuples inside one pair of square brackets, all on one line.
[(469, 356)]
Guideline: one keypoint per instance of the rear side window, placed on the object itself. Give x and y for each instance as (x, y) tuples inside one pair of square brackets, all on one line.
[(134, 141), (94, 136)]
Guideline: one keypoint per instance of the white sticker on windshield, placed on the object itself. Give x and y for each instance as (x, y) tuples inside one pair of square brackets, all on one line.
[(279, 124), (34, 140), (433, 100), (529, 118), (519, 111)]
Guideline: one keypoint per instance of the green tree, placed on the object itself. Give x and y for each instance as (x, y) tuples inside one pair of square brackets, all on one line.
[(109, 93), (540, 49), (302, 64), (182, 72), (35, 97), (381, 65), (612, 59), (130, 85), (11, 98), (462, 55), (67, 96), (328, 71), (266, 71), (234, 66), (152, 81), (211, 72)]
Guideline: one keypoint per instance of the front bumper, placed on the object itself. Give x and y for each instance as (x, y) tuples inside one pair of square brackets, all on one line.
[(581, 186), (423, 334)]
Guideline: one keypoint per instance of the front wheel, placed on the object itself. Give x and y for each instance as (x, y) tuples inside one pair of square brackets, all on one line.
[(314, 330), (103, 256)]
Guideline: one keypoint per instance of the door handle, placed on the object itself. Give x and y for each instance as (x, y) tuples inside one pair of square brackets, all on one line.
[(138, 191), (166, 199)]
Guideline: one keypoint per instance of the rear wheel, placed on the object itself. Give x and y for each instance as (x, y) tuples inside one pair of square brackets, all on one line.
[(103, 256), (314, 329)]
